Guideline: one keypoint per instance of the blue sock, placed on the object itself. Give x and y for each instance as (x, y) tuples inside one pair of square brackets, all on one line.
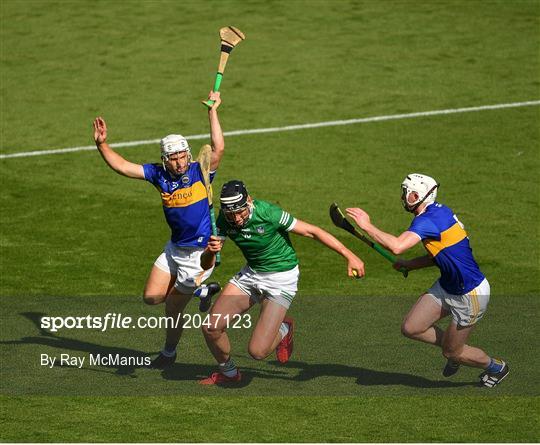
[(495, 365)]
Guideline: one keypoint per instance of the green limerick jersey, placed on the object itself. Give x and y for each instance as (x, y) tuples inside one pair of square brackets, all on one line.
[(264, 240)]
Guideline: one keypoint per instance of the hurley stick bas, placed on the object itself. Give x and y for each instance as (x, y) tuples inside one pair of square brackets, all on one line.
[(204, 158), (230, 37), (339, 220)]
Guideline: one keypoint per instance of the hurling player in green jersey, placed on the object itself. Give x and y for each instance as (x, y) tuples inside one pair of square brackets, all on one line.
[(270, 277)]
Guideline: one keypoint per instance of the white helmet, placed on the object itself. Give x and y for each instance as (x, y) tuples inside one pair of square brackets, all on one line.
[(425, 186), (174, 143)]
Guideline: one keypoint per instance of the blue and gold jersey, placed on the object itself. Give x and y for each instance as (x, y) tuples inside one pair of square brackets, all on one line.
[(445, 238), (185, 203)]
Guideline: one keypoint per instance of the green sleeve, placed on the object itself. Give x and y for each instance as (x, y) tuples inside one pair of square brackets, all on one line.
[(281, 219)]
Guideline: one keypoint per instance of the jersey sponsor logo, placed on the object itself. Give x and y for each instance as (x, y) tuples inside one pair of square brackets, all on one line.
[(185, 196), (449, 237)]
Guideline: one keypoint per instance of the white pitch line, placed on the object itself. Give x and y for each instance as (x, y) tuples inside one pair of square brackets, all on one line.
[(286, 128)]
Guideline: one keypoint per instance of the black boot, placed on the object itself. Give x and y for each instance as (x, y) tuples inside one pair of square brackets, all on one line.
[(205, 292)]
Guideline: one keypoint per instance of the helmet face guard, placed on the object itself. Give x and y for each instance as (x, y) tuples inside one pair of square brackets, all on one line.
[(174, 144), (239, 217), (424, 186), (405, 192), (234, 200)]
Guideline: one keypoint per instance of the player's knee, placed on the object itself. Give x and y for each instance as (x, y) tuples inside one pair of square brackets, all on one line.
[(215, 324), (210, 330), (206, 330), (152, 299), (257, 352), (409, 330)]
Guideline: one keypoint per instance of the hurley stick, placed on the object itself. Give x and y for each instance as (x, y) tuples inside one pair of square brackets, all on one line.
[(230, 37), (204, 159), (339, 220)]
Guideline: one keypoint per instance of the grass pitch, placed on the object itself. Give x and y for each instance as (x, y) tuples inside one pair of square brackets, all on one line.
[(78, 239)]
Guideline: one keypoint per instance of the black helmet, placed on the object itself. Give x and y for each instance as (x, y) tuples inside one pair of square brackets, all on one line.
[(234, 196)]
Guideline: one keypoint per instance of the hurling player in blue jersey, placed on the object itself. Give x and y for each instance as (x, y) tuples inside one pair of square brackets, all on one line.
[(177, 272), (462, 291)]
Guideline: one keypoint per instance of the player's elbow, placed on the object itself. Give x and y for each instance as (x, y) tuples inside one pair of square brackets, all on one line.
[(313, 232), (397, 249), (122, 173), (115, 167), (121, 168), (218, 148)]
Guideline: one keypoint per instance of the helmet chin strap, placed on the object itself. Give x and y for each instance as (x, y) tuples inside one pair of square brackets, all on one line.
[(163, 160), (415, 206)]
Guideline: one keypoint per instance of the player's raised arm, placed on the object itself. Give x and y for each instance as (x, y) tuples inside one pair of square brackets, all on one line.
[(113, 159), (355, 266), (216, 133)]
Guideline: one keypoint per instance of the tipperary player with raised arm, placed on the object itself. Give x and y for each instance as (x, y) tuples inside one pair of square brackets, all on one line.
[(176, 273)]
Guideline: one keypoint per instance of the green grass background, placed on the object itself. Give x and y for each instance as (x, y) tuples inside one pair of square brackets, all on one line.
[(70, 227)]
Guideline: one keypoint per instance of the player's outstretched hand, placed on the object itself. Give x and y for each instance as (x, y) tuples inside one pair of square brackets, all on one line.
[(216, 97), (359, 216), (355, 267), (100, 130)]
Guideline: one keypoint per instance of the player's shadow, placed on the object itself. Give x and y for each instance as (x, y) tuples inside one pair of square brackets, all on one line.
[(195, 372), (178, 371), (185, 371), (47, 338), (365, 376)]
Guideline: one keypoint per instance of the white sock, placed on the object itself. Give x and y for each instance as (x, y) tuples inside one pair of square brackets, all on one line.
[(228, 368), (201, 291), (283, 330)]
